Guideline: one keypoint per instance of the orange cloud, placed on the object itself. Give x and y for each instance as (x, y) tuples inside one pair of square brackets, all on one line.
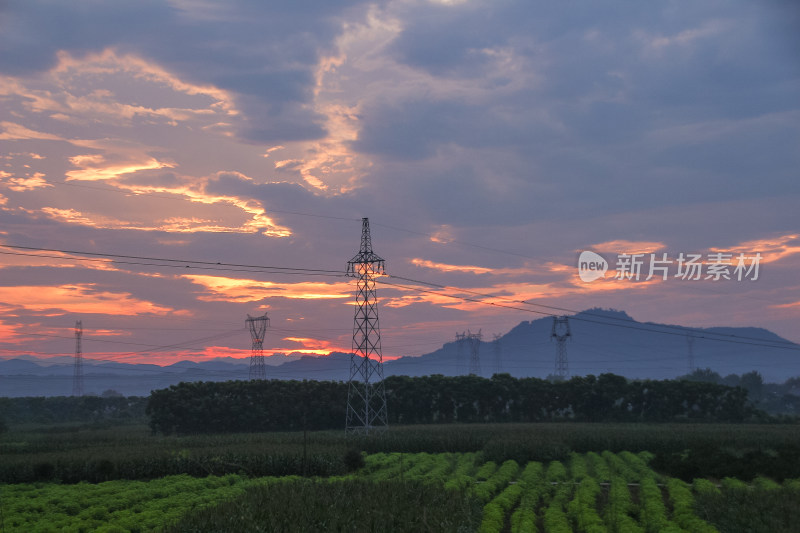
[(220, 288), (628, 247), (508, 295), (174, 356), (10, 331), (315, 346), (790, 305), (174, 224), (259, 220), (51, 259), (93, 167), (82, 299), (99, 104), (27, 183), (771, 249), (109, 62), (16, 132), (443, 235), (443, 267)]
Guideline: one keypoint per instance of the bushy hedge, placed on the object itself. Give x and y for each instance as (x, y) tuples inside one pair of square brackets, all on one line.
[(236, 406)]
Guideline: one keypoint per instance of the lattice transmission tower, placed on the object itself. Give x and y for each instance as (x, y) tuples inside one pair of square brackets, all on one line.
[(497, 348), (561, 333), (258, 328), (77, 375), (474, 340), (461, 341), (366, 396)]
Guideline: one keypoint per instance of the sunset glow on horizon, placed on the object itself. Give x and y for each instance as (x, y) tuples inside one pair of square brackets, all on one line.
[(219, 159)]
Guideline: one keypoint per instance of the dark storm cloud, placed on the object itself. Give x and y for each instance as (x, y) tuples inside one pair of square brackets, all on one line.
[(32, 32), (626, 107), (263, 53)]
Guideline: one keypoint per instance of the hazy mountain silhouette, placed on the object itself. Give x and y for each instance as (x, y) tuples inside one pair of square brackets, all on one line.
[(602, 340)]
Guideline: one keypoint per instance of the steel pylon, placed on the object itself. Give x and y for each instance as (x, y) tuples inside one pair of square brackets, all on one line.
[(77, 376), (474, 340), (366, 395), (561, 333), (690, 342), (498, 353), (258, 328)]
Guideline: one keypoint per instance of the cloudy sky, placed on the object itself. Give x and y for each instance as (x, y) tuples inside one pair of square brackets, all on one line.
[(489, 143)]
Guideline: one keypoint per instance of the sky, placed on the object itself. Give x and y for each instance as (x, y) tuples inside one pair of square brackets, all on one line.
[(488, 142)]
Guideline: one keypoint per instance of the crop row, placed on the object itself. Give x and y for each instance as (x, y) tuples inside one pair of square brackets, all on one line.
[(561, 496), (127, 505), (71, 454), (575, 495)]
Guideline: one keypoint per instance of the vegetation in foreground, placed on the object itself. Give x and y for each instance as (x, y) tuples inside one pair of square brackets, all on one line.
[(112, 506), (592, 492), (71, 454), (340, 505)]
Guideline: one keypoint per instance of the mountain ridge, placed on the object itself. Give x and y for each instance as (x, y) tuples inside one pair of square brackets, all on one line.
[(601, 341)]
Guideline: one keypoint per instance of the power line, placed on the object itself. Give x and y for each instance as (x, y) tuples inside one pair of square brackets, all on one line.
[(481, 297), (176, 196), (194, 267), (151, 348), (162, 261), (631, 324)]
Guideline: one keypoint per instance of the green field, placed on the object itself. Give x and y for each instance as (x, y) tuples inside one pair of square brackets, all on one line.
[(592, 492), (70, 454), (494, 477)]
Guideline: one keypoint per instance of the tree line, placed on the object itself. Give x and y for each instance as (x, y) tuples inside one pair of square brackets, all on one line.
[(774, 398), (59, 409), (278, 405)]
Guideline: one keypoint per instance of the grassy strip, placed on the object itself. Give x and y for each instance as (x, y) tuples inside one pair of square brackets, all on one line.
[(555, 520), (494, 512), (739, 507), (113, 505), (556, 472), (598, 468), (620, 507), (683, 512), (352, 505), (507, 471), (460, 478), (583, 507), (74, 454), (577, 466), (654, 513), (619, 468), (534, 488)]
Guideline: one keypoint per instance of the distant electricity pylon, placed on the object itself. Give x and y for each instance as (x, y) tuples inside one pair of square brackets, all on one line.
[(461, 341), (258, 328), (498, 354), (561, 333), (474, 340), (690, 342), (366, 395), (77, 376)]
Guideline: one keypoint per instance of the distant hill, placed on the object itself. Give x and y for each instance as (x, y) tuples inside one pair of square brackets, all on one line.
[(602, 340)]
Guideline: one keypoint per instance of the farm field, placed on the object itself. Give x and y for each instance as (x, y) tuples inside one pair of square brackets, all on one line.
[(70, 454), (473, 477), (590, 492)]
